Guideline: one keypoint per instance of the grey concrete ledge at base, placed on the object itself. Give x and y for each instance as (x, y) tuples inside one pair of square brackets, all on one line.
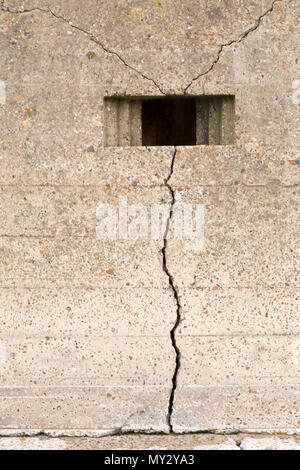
[(153, 442)]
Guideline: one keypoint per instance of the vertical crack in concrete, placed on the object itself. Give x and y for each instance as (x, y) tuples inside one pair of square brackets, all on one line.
[(176, 296)]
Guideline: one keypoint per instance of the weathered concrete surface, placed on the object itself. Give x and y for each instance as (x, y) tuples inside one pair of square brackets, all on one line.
[(85, 324), (142, 442), (192, 442), (239, 297), (270, 443)]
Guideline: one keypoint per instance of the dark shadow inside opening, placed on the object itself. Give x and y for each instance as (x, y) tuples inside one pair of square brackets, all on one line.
[(169, 122)]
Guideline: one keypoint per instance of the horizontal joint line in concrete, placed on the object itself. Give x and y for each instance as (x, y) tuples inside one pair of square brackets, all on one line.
[(72, 387), (233, 335), (241, 335), (152, 186)]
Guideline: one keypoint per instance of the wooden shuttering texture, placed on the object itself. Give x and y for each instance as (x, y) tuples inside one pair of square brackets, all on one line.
[(215, 121), (214, 115), (123, 122)]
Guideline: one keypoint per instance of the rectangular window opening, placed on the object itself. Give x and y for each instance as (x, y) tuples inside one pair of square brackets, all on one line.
[(159, 121)]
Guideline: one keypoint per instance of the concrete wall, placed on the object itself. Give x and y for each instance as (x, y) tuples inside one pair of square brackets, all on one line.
[(105, 335)]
